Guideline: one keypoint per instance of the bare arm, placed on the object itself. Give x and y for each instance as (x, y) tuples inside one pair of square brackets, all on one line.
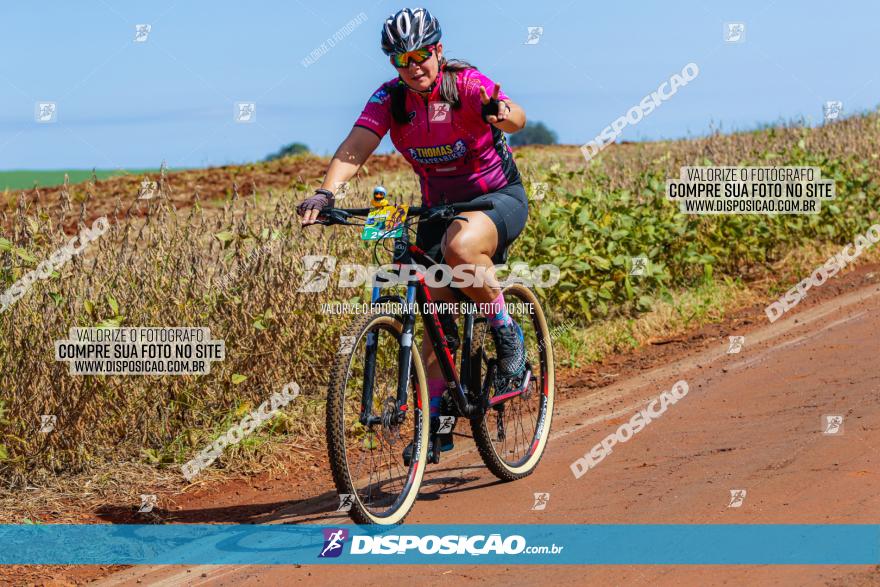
[(351, 154), (516, 118)]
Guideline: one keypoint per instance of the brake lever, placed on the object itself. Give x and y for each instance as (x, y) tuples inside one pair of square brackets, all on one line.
[(432, 215), (335, 217)]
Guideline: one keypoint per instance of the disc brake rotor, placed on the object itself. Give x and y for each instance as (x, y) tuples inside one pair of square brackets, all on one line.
[(390, 427)]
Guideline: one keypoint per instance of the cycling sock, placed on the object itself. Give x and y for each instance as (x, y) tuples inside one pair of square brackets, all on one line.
[(436, 387), (497, 314)]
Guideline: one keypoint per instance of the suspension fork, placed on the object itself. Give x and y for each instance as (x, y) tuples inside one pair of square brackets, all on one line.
[(366, 417), (404, 358)]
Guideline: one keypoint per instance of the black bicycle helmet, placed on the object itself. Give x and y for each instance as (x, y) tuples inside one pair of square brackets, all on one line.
[(408, 30)]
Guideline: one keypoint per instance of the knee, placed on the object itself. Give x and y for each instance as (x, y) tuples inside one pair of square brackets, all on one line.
[(462, 248)]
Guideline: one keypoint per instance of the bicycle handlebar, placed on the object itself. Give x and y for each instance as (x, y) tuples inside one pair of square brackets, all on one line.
[(418, 210), (331, 215), (456, 207)]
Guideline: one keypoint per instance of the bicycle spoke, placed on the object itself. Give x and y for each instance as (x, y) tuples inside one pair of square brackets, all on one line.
[(375, 452), (514, 425)]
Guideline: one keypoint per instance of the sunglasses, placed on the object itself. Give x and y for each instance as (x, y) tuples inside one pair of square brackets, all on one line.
[(420, 55)]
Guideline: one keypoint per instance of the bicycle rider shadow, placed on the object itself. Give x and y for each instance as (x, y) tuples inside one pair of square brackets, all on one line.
[(440, 480)]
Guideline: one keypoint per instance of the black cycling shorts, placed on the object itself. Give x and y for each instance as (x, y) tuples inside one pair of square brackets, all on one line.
[(509, 216)]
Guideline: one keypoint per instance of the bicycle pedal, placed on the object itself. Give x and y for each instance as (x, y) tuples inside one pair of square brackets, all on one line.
[(448, 406), (434, 450), (507, 388)]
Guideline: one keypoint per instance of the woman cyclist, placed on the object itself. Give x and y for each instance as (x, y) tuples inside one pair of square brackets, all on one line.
[(448, 120)]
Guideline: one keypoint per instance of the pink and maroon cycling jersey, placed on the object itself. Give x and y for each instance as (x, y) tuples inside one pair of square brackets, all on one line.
[(456, 155)]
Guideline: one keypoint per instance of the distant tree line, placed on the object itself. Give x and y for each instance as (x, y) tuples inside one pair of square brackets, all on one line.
[(288, 150), (535, 133)]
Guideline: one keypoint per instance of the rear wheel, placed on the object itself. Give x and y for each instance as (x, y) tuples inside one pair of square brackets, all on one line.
[(511, 436), (367, 460)]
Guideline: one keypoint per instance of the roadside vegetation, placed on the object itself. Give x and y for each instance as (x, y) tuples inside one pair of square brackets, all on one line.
[(19, 179), (163, 261)]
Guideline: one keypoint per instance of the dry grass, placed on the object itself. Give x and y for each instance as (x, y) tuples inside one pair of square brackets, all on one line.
[(161, 270), (162, 259)]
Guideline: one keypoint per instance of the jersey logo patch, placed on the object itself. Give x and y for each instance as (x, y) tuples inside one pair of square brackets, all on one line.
[(379, 97), (438, 153)]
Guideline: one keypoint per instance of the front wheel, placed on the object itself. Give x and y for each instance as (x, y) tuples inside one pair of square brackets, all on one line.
[(367, 460), (511, 436)]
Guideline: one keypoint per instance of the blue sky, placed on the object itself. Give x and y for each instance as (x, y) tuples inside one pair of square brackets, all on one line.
[(122, 104)]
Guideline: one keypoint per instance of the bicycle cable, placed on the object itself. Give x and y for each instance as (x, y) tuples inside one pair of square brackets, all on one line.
[(412, 231)]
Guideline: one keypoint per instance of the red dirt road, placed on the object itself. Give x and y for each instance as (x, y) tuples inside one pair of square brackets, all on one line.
[(751, 421)]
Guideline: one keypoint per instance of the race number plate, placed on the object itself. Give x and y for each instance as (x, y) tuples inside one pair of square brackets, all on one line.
[(385, 222)]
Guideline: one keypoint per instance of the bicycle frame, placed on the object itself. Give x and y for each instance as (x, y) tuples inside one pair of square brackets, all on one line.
[(417, 291)]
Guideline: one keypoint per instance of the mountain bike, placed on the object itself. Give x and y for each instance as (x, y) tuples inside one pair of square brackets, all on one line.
[(377, 401)]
